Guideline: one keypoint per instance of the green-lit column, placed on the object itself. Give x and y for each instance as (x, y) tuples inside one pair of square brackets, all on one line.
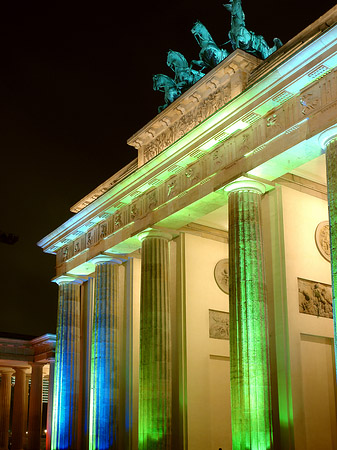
[(155, 380), (67, 365), (249, 343), (104, 356), (328, 141)]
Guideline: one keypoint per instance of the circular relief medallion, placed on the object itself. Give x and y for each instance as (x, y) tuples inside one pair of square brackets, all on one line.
[(221, 275), (322, 239)]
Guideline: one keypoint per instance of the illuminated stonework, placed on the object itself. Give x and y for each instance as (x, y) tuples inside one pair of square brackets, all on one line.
[(67, 366), (155, 379), (104, 356), (249, 338), (159, 378)]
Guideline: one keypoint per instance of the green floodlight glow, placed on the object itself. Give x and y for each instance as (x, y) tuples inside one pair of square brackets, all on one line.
[(155, 379), (249, 347)]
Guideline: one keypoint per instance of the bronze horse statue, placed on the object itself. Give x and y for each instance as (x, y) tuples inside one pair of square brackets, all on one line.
[(185, 76), (210, 54), (246, 40), (167, 85)]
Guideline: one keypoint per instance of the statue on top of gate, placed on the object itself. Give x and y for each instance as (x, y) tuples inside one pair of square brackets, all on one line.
[(185, 76), (210, 54), (246, 40)]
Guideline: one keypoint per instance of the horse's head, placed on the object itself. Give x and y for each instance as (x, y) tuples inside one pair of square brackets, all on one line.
[(176, 60), (235, 8), (229, 6), (161, 81), (201, 34), (197, 28)]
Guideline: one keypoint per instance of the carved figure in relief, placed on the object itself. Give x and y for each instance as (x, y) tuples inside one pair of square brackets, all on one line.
[(218, 324), (210, 54), (89, 239), (171, 188), (118, 220), (165, 84), (65, 254), (103, 231), (134, 211), (246, 40), (77, 247), (185, 77), (322, 238), (315, 298)]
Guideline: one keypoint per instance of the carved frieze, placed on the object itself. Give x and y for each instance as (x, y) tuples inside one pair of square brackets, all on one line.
[(218, 324), (187, 122), (314, 298)]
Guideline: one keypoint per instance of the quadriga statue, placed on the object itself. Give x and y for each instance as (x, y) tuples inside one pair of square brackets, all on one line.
[(165, 84), (210, 54), (246, 40), (185, 76)]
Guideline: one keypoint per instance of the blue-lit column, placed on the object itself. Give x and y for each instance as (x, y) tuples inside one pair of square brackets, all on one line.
[(249, 342), (155, 379), (328, 141), (67, 365), (104, 355)]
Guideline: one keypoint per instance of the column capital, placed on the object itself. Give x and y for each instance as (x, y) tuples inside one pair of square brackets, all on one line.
[(245, 185), (327, 136), (22, 369), (106, 258), (154, 233), (37, 364), (6, 370), (67, 279)]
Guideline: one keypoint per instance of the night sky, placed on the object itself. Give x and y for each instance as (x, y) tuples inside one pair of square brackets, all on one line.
[(75, 84)]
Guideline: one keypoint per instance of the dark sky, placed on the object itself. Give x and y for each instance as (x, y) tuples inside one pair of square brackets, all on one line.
[(75, 84)]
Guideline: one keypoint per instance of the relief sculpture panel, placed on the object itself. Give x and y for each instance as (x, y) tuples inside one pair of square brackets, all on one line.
[(218, 324), (314, 298)]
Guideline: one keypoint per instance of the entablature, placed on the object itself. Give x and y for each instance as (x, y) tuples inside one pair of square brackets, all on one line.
[(282, 113)]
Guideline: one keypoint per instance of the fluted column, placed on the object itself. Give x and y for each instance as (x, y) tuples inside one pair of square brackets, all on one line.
[(249, 345), (5, 405), (67, 365), (35, 408), (19, 405), (104, 355), (155, 379), (50, 402), (328, 141)]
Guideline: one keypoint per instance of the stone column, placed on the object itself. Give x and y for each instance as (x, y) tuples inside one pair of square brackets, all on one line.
[(67, 365), (35, 407), (50, 403), (249, 343), (328, 141), (104, 356), (19, 405), (155, 379), (5, 405)]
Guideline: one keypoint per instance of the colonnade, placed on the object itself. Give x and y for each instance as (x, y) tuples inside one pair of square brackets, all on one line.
[(23, 402), (249, 342)]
